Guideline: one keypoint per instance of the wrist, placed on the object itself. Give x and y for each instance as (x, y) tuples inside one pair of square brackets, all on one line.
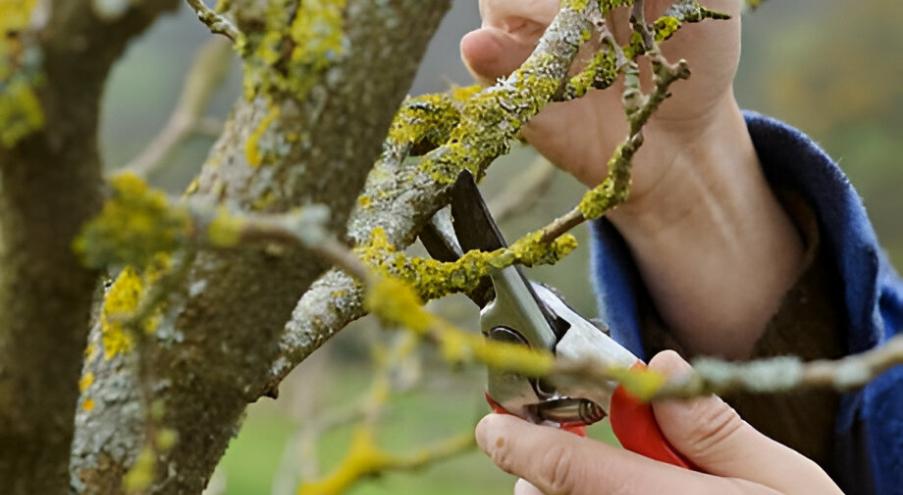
[(716, 250), (710, 157)]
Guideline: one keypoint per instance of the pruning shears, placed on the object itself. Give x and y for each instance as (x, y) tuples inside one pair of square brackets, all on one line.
[(516, 310)]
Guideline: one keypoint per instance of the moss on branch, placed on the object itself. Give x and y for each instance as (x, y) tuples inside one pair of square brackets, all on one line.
[(426, 122), (300, 42), (432, 279), (135, 224)]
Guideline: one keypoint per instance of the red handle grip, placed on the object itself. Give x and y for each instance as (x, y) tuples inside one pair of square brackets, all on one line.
[(633, 422)]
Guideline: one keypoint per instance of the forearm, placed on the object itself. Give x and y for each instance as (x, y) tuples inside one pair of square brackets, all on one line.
[(714, 247)]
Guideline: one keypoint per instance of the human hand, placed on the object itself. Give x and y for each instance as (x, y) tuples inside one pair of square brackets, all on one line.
[(510, 31), (734, 457), (701, 220)]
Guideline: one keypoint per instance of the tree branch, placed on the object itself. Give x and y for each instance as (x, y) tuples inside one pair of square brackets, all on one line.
[(54, 60), (783, 374), (217, 22), (211, 346)]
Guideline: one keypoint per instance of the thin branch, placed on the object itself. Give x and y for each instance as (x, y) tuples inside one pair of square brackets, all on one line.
[(217, 22), (365, 459), (207, 73), (782, 374)]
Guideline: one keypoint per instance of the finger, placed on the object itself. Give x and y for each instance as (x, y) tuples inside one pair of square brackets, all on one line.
[(490, 53), (523, 487), (514, 14), (560, 463), (712, 435)]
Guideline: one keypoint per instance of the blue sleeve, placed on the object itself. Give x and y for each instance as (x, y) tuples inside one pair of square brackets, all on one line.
[(870, 423)]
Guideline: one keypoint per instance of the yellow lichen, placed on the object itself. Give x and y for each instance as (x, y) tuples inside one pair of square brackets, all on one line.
[(395, 303), (426, 121), (253, 152), (90, 351), (85, 382), (135, 224), (88, 405), (141, 475), (665, 27), (362, 458), (491, 120), (225, 230), (20, 110), (121, 302), (365, 458), (613, 191), (193, 187), (433, 279), (299, 44), (641, 383), (166, 439)]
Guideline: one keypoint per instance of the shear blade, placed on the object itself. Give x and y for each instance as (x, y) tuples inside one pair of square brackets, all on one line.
[(472, 221)]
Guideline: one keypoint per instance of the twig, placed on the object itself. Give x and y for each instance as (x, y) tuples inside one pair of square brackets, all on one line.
[(210, 67), (523, 193), (217, 23), (782, 374), (365, 459)]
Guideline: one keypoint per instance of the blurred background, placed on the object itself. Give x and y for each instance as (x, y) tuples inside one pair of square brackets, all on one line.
[(829, 67)]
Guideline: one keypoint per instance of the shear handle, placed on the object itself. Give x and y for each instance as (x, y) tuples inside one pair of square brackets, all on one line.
[(634, 423)]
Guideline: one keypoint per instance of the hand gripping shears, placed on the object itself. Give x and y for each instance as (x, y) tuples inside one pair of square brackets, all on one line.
[(515, 310)]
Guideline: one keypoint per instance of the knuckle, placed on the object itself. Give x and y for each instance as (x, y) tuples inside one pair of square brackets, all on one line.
[(504, 459), (717, 423), (559, 470)]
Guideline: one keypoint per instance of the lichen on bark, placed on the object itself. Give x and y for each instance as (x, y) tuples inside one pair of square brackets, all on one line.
[(50, 88), (311, 152)]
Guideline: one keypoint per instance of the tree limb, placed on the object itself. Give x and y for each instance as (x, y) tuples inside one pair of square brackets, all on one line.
[(59, 59), (298, 137), (782, 374), (217, 22)]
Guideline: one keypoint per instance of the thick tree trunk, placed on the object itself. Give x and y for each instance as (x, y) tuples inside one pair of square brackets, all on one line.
[(212, 351), (49, 187)]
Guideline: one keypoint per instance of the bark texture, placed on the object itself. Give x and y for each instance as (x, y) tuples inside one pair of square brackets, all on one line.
[(214, 347), (49, 187)]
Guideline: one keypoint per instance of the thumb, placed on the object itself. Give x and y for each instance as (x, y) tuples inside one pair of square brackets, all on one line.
[(555, 462), (490, 53), (713, 436)]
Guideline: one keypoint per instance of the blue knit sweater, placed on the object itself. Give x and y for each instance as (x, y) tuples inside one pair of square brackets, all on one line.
[(869, 433)]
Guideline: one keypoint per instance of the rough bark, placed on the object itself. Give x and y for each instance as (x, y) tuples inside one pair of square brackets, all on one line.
[(213, 349), (49, 187)]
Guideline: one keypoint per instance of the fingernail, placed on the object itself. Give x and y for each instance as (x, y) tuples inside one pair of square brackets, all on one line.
[(669, 363), (524, 487)]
